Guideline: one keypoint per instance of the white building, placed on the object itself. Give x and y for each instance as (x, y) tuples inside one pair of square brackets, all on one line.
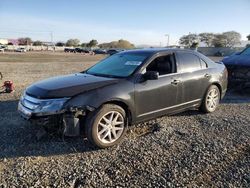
[(3, 41)]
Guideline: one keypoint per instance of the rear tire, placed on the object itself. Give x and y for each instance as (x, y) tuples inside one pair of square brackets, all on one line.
[(211, 99), (106, 126)]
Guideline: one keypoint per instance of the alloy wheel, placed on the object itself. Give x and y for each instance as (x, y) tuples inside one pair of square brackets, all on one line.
[(212, 99), (110, 127)]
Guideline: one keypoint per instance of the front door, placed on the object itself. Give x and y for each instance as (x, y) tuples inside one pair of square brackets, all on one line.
[(157, 97)]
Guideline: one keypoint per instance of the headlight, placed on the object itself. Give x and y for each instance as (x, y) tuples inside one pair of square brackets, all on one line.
[(43, 106), (50, 106)]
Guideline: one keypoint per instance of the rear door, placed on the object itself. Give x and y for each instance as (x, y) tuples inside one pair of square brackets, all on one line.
[(194, 76)]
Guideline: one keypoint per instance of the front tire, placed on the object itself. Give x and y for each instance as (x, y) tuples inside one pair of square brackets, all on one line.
[(106, 126), (211, 100)]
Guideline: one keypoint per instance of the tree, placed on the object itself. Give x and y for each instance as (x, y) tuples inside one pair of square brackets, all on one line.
[(248, 37), (195, 45), (92, 43), (227, 39), (73, 42), (121, 44), (189, 40), (125, 44), (219, 40), (84, 45), (207, 38), (60, 44), (37, 43), (24, 41), (232, 38)]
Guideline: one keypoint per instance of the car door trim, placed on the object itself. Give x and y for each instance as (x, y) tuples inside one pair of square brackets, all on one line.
[(178, 105)]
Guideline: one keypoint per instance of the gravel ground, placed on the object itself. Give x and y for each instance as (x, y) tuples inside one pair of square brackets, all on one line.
[(186, 150), (190, 149)]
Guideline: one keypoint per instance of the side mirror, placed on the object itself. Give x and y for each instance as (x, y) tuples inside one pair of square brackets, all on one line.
[(151, 75), (237, 53)]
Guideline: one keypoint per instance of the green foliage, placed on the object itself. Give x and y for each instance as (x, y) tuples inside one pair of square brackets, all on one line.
[(37, 43), (92, 43), (232, 38), (189, 40), (219, 40), (226, 39), (84, 45), (120, 44), (207, 38), (195, 45), (73, 42)]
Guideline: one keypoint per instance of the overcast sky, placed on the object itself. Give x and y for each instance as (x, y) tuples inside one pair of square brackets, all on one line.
[(139, 21)]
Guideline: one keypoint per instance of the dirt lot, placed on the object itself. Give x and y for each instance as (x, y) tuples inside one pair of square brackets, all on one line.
[(184, 150)]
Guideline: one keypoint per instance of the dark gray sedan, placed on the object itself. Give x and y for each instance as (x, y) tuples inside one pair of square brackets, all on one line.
[(123, 89)]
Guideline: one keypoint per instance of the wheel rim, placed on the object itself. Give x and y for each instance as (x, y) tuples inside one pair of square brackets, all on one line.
[(212, 99), (110, 127)]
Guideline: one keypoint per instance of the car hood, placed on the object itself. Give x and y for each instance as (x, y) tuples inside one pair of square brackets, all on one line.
[(237, 60), (68, 86)]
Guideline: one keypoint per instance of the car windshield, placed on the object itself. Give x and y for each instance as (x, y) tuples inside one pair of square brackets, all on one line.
[(246, 52), (118, 65)]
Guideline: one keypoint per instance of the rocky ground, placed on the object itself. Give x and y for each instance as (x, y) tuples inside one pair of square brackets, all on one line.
[(190, 149)]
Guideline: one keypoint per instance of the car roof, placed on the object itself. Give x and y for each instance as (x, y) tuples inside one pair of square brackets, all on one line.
[(152, 51)]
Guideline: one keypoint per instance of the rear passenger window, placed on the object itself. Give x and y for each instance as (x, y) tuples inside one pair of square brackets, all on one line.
[(188, 62)]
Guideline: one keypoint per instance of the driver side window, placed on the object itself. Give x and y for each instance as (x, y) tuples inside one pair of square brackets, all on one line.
[(163, 64)]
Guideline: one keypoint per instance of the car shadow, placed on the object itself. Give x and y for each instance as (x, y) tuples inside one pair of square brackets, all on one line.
[(19, 138)]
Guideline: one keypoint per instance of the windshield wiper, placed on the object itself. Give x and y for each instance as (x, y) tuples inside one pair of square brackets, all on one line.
[(103, 75)]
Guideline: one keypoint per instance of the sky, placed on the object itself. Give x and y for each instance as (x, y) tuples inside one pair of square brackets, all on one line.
[(139, 21)]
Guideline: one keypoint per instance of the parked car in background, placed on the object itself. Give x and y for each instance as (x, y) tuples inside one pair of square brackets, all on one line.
[(100, 51), (86, 51), (2, 48), (113, 51), (69, 50), (123, 89), (81, 50), (21, 50), (238, 66), (77, 50)]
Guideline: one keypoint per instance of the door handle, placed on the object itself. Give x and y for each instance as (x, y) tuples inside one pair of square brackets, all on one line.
[(207, 75), (175, 82)]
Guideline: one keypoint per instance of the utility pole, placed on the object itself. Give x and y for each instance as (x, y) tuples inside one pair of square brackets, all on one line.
[(167, 35), (51, 38)]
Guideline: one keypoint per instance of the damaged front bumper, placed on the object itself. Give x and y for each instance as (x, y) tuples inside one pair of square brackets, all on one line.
[(52, 113)]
